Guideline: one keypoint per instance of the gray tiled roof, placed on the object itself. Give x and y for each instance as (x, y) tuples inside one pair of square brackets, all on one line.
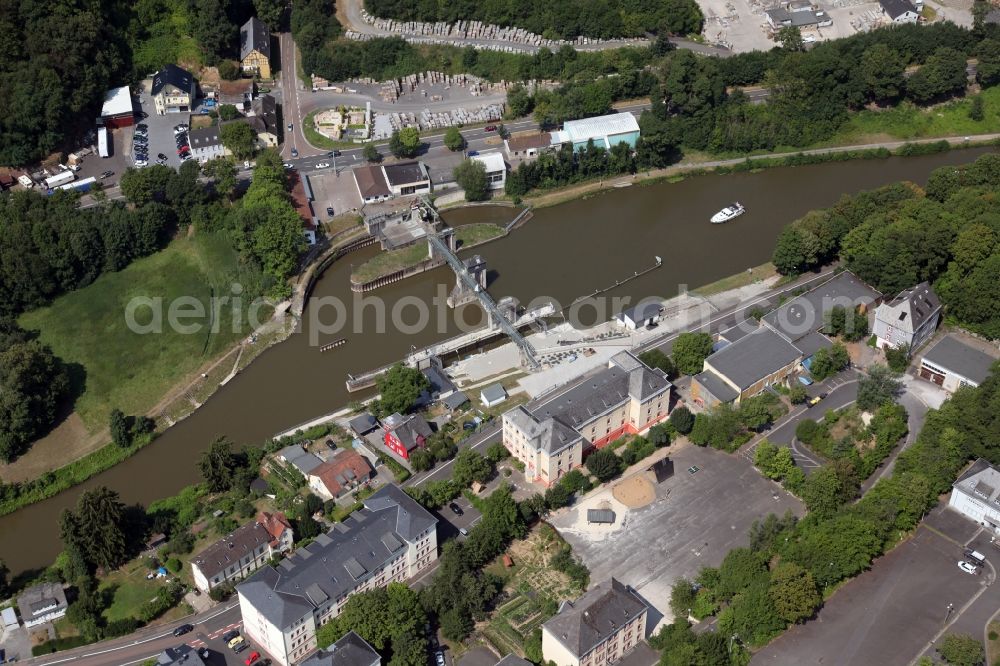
[(896, 8), (232, 548), (41, 599), (950, 353), (493, 392), (255, 36), (404, 173), (332, 562), (182, 655), (455, 400), (363, 423), (981, 482), (911, 308), (172, 75), (204, 137), (589, 621), (440, 383), (513, 660), (753, 357), (804, 314), (297, 456), (351, 650), (714, 384), (549, 435)]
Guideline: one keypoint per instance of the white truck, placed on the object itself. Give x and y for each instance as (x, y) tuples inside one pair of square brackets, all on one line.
[(102, 142), (60, 178)]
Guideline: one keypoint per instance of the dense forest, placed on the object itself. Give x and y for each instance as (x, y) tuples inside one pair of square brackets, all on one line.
[(603, 19), (899, 235)]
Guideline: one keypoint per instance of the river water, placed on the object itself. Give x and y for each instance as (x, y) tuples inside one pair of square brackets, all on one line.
[(564, 252)]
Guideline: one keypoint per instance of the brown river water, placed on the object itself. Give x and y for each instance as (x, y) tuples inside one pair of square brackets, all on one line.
[(564, 252)]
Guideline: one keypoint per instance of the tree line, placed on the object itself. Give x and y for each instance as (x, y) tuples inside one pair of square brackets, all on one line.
[(899, 235), (558, 20)]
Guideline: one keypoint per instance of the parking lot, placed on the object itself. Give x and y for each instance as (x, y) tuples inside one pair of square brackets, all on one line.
[(161, 131), (890, 613), (694, 520), (339, 193)]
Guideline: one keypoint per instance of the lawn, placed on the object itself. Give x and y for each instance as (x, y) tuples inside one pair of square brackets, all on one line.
[(756, 274), (130, 589), (907, 121), (389, 262), (342, 222), (129, 370), (473, 234), (319, 140)]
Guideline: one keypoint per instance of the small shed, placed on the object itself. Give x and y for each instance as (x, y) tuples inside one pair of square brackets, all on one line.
[(493, 395), (363, 424), (156, 541), (9, 617), (600, 516), (663, 469), (455, 401)]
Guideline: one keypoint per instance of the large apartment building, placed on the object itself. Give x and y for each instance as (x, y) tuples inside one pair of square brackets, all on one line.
[(392, 538), (243, 551), (597, 629), (551, 438)]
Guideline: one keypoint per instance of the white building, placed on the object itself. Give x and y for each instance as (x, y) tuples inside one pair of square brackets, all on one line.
[(976, 495), (605, 131), (492, 395), (240, 553), (392, 538), (909, 319), (206, 144), (899, 11), (952, 364), (598, 628), (644, 314), (42, 603), (496, 169)]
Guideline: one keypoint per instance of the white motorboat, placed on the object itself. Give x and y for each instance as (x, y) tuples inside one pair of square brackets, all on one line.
[(730, 212)]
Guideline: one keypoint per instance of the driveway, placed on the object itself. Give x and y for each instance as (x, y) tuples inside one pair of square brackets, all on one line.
[(889, 615), (694, 520)]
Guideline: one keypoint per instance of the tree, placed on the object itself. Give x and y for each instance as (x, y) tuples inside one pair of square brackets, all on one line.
[(942, 75), (797, 394), (228, 112), (682, 598), (120, 433), (229, 70), (793, 592), (270, 12), (988, 68), (976, 109), (496, 452), (898, 357), (370, 152), (405, 142), (656, 359), (239, 138), (755, 412), (828, 361), (774, 462), (97, 528), (222, 170), (471, 466), (880, 386), (849, 324), (962, 650), (881, 73), (453, 139), (604, 464), (212, 29), (421, 460), (823, 492), (519, 102), (33, 382), (682, 419), (219, 465), (471, 177), (790, 38), (400, 388), (690, 351)]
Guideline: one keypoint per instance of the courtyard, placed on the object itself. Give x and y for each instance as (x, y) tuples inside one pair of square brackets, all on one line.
[(691, 521)]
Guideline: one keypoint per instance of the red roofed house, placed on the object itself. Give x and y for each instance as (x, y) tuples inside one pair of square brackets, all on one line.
[(340, 474), (405, 433), (277, 525)]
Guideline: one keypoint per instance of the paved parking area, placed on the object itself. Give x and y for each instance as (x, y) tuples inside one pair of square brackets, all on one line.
[(94, 165), (693, 522), (887, 615), (16, 643), (161, 130), (340, 193)]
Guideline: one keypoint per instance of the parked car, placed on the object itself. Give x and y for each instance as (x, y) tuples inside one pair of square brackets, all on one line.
[(288, 165), (236, 642), (161, 156), (439, 658), (242, 646), (472, 153), (229, 635), (180, 128), (334, 153), (254, 656), (329, 211), (183, 629), (322, 165), (463, 531), (140, 163), (967, 568), (107, 174), (456, 509), (491, 128)]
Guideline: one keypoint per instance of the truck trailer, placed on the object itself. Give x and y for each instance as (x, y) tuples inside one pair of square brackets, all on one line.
[(60, 178)]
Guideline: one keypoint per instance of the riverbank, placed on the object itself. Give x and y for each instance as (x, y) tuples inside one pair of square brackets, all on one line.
[(683, 170)]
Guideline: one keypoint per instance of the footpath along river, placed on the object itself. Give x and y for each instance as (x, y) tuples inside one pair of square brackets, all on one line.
[(564, 252)]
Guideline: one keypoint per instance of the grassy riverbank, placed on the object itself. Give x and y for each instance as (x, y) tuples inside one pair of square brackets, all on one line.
[(387, 263), (474, 234)]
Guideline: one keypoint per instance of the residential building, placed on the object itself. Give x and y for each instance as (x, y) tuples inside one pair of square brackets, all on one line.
[(496, 169), (952, 364), (598, 628), (239, 93), (173, 90), (909, 319), (299, 458), (264, 120), (798, 13), (38, 604), (344, 472), (455, 401), (550, 439), (976, 495), (406, 178), (392, 538), (255, 48), (117, 110), (745, 368), (899, 11), (371, 183), (644, 314), (362, 424), (277, 525), (351, 650), (604, 131), (527, 146), (440, 385), (513, 660), (405, 433), (206, 144), (492, 395), (182, 655), (240, 553)]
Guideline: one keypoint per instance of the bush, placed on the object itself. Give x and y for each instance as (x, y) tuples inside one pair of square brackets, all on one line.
[(174, 565), (229, 70), (962, 650), (682, 419), (898, 358), (797, 394), (604, 464)]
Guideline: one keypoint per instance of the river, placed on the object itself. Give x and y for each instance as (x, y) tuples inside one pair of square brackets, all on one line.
[(564, 252)]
